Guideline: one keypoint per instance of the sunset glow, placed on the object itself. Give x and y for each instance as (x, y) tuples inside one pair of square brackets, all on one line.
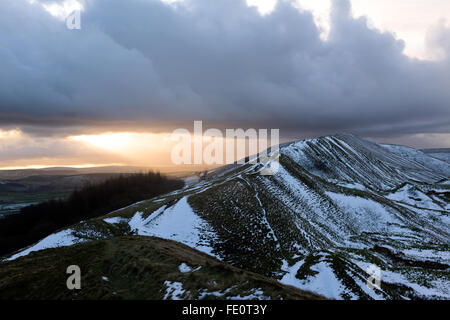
[(115, 142)]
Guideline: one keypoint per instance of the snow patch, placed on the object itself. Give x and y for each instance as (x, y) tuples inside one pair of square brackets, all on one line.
[(178, 223), (367, 215), (174, 290), (115, 220), (324, 282), (61, 239), (184, 268)]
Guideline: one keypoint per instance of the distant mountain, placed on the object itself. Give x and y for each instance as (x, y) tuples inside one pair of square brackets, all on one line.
[(53, 183), (442, 154), (181, 171), (337, 206), (66, 171)]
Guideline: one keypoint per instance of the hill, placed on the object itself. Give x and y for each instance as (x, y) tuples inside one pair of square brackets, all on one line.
[(337, 206), (136, 268)]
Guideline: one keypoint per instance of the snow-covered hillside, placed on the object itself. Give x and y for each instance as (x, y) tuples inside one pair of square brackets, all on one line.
[(337, 207), (441, 154), (429, 162)]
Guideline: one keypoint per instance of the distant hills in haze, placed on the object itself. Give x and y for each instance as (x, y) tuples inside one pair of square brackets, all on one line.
[(65, 171)]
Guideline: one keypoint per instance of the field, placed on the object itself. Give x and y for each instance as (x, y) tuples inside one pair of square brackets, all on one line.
[(11, 203)]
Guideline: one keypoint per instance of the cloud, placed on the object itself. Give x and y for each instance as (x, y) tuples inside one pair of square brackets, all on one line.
[(438, 40), (20, 149), (147, 64)]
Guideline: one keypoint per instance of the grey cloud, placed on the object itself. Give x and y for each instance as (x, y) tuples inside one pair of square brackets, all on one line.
[(144, 63)]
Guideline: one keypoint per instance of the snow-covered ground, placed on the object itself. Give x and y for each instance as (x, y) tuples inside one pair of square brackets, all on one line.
[(421, 158), (411, 195), (323, 282), (60, 239), (184, 268), (178, 223)]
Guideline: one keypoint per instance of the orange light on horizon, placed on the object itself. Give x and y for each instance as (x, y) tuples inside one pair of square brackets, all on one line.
[(115, 142), (134, 148), (77, 166)]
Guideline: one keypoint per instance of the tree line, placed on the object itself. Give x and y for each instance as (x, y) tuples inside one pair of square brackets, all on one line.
[(35, 222)]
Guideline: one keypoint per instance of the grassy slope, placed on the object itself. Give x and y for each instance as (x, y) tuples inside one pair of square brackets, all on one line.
[(136, 268)]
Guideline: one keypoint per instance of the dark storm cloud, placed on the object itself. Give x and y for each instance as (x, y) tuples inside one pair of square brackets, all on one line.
[(155, 65)]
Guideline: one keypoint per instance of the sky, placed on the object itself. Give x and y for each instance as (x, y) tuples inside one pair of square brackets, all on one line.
[(111, 92)]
